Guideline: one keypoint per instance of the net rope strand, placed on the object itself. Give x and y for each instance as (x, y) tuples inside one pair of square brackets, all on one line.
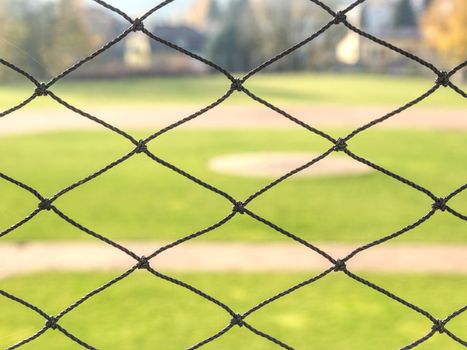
[(442, 79)]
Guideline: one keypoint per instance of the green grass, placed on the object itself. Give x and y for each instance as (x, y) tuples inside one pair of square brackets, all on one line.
[(140, 199), (144, 312), (284, 89)]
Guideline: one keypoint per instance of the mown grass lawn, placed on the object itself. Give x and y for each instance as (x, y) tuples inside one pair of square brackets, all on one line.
[(144, 312), (283, 89), (140, 199)]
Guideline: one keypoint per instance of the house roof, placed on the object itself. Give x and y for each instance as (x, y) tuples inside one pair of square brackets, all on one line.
[(181, 35)]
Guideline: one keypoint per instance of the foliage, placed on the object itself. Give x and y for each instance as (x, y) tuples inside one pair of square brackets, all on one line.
[(252, 31), (214, 12), (235, 45), (44, 38), (364, 16), (445, 26), (404, 15)]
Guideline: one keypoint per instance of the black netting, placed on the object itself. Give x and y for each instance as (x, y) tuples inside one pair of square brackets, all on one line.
[(338, 265)]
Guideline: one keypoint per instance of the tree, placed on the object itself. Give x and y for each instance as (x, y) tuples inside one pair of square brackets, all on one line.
[(72, 38), (4, 72), (404, 15), (214, 12), (235, 45), (444, 26), (364, 16), (426, 4), (286, 23), (32, 37), (3, 27), (43, 37), (282, 34)]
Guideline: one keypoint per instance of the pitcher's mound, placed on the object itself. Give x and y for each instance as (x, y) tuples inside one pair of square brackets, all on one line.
[(272, 165)]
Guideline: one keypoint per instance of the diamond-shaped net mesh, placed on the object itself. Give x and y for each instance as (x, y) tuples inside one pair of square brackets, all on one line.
[(336, 264)]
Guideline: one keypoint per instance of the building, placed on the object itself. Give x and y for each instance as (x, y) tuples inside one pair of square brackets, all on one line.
[(197, 16), (181, 35), (145, 54), (377, 18), (169, 61), (138, 53), (376, 57)]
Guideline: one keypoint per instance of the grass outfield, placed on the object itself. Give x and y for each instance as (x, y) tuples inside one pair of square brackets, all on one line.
[(140, 199), (284, 89), (143, 312)]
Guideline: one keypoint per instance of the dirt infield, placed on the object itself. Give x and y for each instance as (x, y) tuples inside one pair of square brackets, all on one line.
[(77, 256), (275, 164), (39, 120), (244, 257)]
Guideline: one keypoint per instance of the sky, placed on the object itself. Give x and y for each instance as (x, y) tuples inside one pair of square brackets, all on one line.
[(135, 7)]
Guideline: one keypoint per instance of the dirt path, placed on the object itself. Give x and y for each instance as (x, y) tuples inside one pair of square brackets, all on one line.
[(38, 120), (247, 257)]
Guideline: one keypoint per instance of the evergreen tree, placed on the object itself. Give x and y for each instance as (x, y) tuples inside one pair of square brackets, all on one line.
[(3, 27), (43, 38), (72, 39), (32, 37), (364, 17), (426, 4), (235, 46), (214, 13), (404, 15)]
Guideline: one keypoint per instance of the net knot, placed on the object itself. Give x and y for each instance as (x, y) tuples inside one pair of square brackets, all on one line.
[(340, 17), (438, 326), (340, 145), (51, 323), (237, 84), (138, 25), (239, 207), (45, 204), (440, 204), (237, 320), (41, 90), (143, 263), (141, 147), (443, 79), (340, 266)]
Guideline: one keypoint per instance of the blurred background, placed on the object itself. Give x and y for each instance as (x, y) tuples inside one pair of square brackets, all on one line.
[(337, 82), (237, 35)]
